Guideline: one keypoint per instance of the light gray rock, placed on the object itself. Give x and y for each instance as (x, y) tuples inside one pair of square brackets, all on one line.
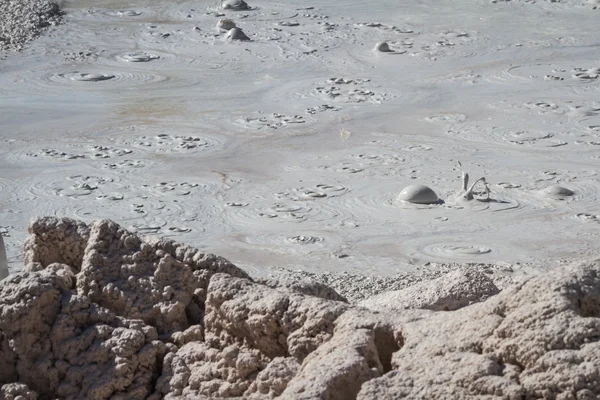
[(62, 345), (17, 391), (56, 240), (156, 280), (274, 378), (199, 370), (277, 323), (338, 368), (361, 349), (452, 291), (256, 338), (538, 339)]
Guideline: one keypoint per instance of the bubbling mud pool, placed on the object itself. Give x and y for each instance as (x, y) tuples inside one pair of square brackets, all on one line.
[(293, 148)]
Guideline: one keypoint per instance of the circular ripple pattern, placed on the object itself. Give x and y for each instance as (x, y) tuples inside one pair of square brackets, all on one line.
[(167, 143), (455, 250), (153, 59), (557, 74), (87, 80), (525, 138), (139, 57), (300, 243)]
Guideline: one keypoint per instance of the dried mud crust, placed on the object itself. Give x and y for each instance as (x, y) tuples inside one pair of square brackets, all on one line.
[(144, 318)]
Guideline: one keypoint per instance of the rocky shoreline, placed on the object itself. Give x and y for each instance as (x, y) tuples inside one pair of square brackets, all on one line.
[(101, 313)]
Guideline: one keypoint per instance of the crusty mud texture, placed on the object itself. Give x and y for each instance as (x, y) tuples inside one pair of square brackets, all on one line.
[(23, 20), (144, 318)]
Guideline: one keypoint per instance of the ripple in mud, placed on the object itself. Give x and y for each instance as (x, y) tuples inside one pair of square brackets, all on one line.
[(273, 121), (123, 13), (318, 192), (126, 165), (543, 106), (165, 143), (528, 138), (450, 118), (289, 212), (587, 217), (139, 57), (303, 243), (91, 77), (451, 251), (73, 187), (301, 239), (358, 95), (549, 72), (99, 81), (71, 152)]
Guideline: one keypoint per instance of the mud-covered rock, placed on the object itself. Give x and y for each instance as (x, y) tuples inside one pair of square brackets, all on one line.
[(277, 323), (157, 280), (56, 240), (304, 286), (61, 344), (538, 339), (452, 291)]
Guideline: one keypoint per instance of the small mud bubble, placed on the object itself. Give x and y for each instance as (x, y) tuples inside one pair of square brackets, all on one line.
[(301, 239), (124, 13), (458, 250), (91, 77), (418, 194), (237, 5), (139, 57), (236, 34), (383, 47), (557, 192)]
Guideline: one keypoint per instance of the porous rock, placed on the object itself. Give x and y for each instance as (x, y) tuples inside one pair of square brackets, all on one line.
[(157, 280), (256, 338), (537, 339), (56, 240), (274, 378), (279, 324), (360, 350), (452, 291), (61, 344)]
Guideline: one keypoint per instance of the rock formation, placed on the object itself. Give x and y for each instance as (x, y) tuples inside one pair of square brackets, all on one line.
[(101, 313), (538, 339)]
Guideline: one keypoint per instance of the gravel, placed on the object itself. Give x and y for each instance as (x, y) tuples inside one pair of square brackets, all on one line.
[(23, 20)]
